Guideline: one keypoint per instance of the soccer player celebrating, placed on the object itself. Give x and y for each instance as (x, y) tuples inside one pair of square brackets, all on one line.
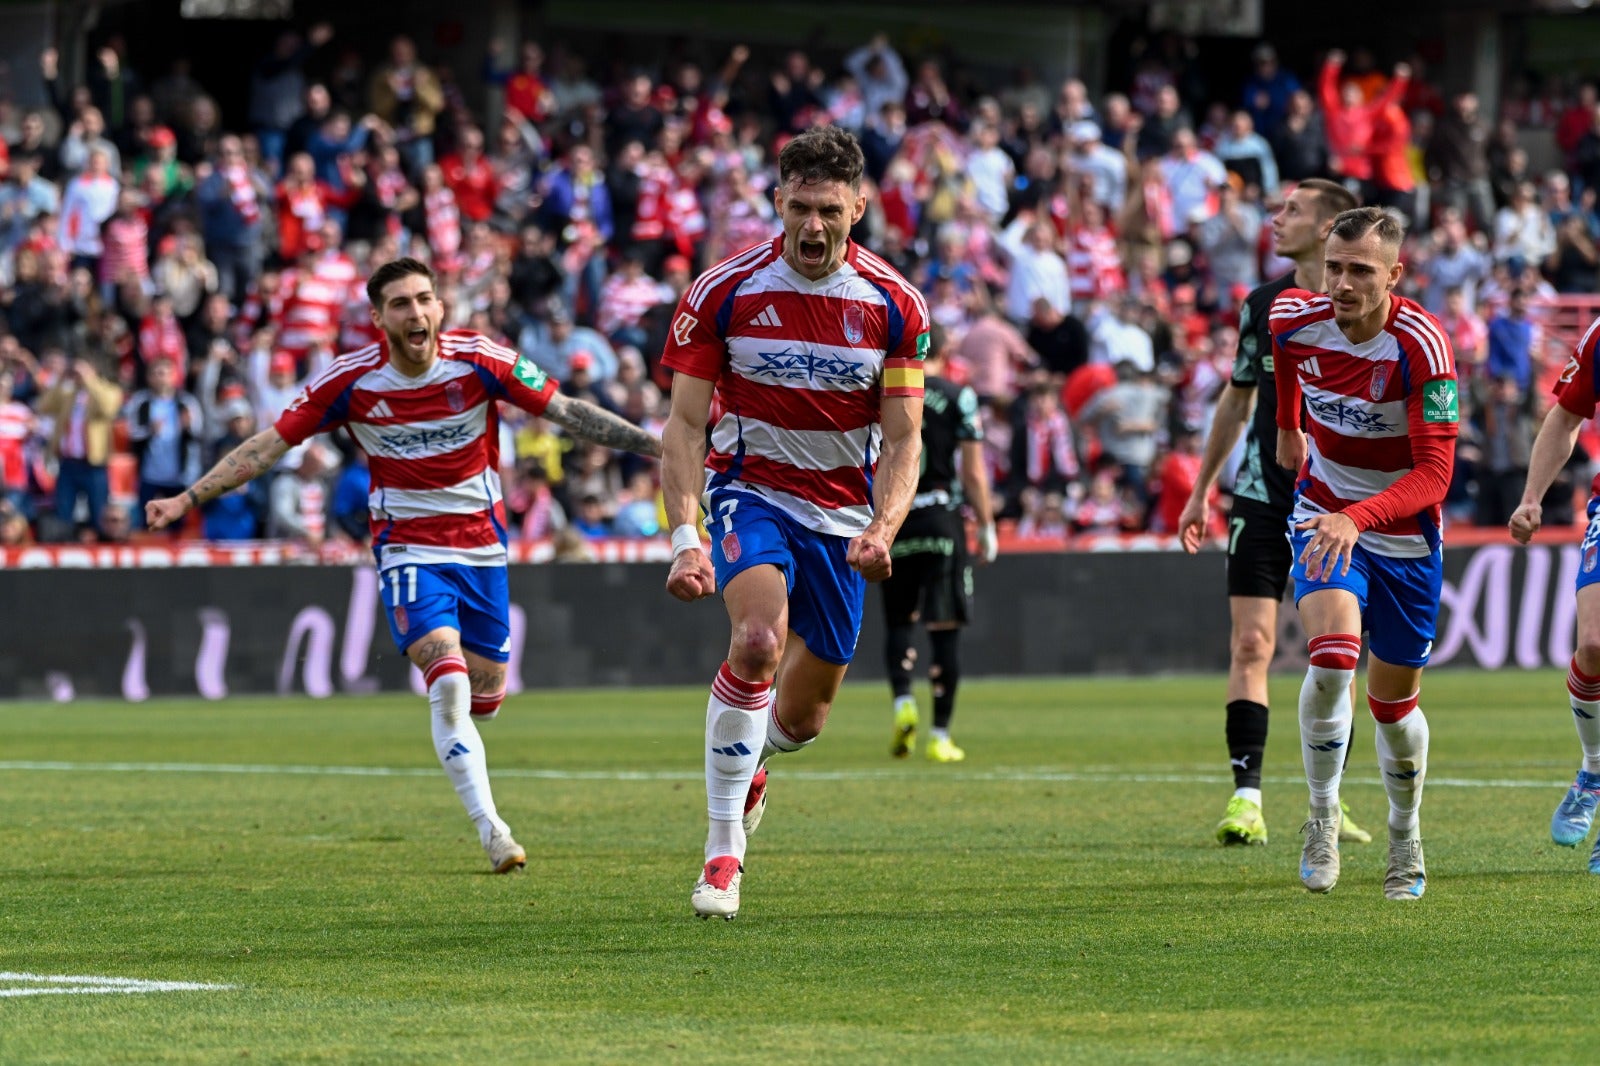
[(421, 404), (1263, 497), (1576, 393), (803, 357), (1379, 388), (932, 579)]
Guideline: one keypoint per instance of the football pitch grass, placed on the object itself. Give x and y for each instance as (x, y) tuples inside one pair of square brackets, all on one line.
[(1058, 897)]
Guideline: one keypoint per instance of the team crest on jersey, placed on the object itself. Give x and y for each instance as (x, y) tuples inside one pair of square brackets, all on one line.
[(855, 323), (1591, 556), (402, 621), (455, 396), (1380, 378), (730, 547)]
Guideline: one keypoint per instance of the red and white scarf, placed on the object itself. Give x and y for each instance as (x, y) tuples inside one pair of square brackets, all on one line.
[(243, 193), (1050, 448), (444, 227)]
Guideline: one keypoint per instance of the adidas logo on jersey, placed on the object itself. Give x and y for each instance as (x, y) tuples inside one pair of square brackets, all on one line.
[(768, 318), (380, 410)]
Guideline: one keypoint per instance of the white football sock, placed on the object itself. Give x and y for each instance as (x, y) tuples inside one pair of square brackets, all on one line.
[(1583, 695), (458, 745), (1403, 758), (777, 738), (735, 727), (1325, 716), (1251, 794), (1586, 716)]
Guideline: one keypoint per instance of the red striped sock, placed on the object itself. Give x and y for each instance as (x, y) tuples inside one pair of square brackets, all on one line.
[(1335, 651), (1582, 686), (735, 691), (1391, 711), (449, 664)]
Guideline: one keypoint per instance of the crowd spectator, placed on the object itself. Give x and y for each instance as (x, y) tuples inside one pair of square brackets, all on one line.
[(1268, 90), (164, 429), (82, 406), (407, 97), (207, 263), (1458, 160)]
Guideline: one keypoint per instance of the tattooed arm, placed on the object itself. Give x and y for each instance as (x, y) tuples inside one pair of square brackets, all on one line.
[(246, 462), (596, 424)]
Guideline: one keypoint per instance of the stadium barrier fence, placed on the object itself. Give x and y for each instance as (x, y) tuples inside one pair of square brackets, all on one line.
[(140, 622)]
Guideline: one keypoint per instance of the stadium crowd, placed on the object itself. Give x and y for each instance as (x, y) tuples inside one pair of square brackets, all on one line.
[(170, 275)]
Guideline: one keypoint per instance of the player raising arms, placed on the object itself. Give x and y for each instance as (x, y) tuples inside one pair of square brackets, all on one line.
[(1379, 385), (802, 355), (1263, 497), (421, 404), (1576, 393)]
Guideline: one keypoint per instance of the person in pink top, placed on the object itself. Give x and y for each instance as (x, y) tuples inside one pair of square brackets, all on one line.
[(992, 350)]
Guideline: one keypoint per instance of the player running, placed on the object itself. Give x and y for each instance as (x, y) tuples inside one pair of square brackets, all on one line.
[(1576, 393), (1379, 385), (421, 404), (803, 356), (1263, 498), (932, 579)]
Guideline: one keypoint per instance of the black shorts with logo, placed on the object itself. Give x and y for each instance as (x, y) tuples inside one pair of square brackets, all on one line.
[(932, 577), (1259, 555)]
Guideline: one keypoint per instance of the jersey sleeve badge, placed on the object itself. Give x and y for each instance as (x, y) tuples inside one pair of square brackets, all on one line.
[(529, 374), (1439, 402)]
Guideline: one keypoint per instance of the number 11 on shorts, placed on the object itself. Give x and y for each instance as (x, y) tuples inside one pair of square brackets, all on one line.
[(410, 573)]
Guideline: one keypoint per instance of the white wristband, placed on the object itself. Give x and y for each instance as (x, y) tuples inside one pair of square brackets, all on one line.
[(685, 538)]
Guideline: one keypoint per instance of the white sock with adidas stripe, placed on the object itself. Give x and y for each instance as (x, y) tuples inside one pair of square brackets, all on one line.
[(736, 725), (457, 743), (1326, 715)]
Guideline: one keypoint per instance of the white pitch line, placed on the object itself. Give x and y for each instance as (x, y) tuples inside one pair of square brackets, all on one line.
[(1001, 774), (87, 985)]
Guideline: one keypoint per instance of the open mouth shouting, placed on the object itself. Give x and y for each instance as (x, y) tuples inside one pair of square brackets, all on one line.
[(812, 253)]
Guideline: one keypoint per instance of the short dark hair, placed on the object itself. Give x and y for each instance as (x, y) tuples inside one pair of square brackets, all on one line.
[(824, 153), (392, 271), (1356, 223), (1333, 199)]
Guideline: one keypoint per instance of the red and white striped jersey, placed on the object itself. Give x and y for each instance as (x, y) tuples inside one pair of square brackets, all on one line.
[(432, 443), (1380, 412), (262, 309), (1578, 387), (313, 309), (624, 301), (800, 367), (1094, 266)]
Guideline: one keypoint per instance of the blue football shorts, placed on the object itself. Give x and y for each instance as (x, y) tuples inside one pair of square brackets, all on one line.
[(826, 596), (1589, 560), (475, 601), (1399, 598)]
